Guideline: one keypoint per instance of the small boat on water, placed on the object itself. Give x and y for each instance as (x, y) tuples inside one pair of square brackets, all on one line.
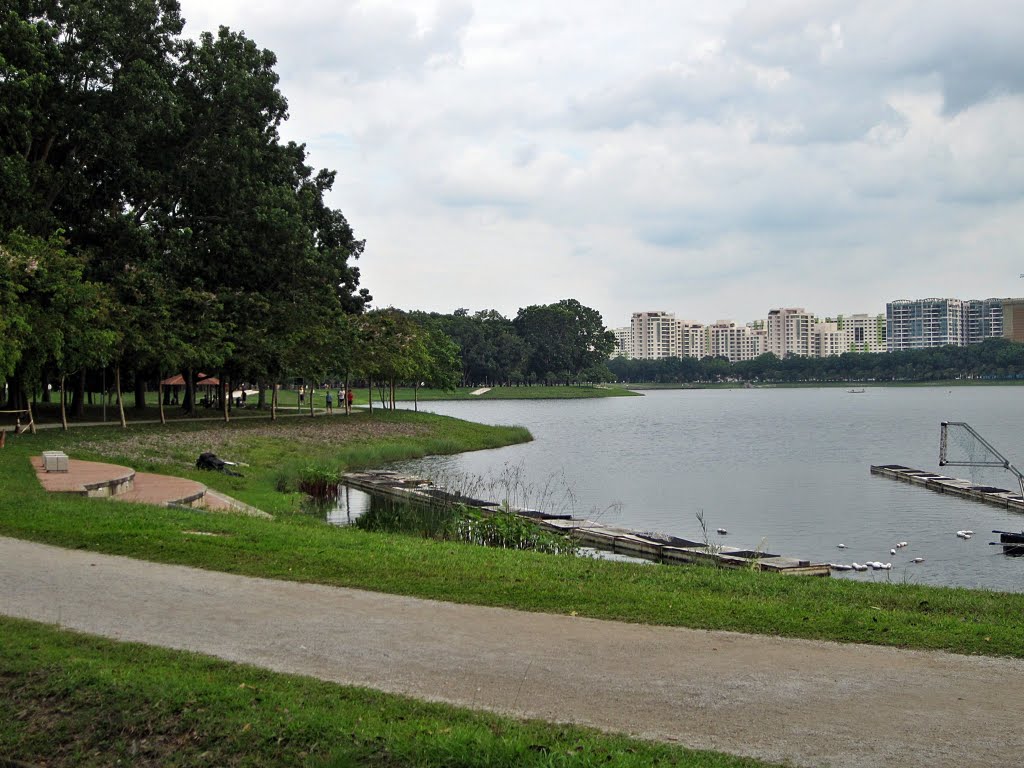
[(855, 391), (1012, 542)]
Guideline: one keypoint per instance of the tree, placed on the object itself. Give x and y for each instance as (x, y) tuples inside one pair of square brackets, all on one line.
[(566, 337)]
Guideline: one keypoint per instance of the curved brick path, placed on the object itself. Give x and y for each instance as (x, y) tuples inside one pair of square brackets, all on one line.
[(146, 488), (810, 703)]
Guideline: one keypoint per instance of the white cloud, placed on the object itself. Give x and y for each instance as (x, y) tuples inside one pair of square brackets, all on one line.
[(708, 158)]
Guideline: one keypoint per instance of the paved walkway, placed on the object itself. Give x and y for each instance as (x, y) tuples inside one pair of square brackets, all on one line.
[(814, 704)]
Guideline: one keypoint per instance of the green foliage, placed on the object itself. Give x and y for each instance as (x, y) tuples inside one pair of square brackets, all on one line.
[(193, 237), (552, 344)]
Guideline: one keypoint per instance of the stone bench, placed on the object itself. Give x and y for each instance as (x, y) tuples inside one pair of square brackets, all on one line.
[(55, 461)]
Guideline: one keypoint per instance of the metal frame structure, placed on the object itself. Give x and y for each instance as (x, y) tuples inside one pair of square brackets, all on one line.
[(1001, 461)]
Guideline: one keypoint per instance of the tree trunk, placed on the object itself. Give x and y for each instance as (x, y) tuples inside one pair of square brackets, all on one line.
[(261, 398), (189, 405), (78, 396), (312, 392), (225, 397), (416, 397), (63, 408), (140, 391), (348, 406), (120, 400), (31, 418), (160, 398), (369, 392), (273, 402), (392, 394)]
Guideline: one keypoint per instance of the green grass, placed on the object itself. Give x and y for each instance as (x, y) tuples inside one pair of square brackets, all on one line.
[(73, 700), (301, 548), (288, 402), (516, 393), (276, 452)]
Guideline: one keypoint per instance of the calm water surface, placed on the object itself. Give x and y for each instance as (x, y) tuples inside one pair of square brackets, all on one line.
[(786, 467)]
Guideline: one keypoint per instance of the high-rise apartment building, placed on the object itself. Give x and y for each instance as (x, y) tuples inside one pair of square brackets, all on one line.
[(790, 332), (623, 342), (865, 333), (923, 323), (827, 340), (693, 339), (735, 342), (983, 319), (1013, 319), (655, 335)]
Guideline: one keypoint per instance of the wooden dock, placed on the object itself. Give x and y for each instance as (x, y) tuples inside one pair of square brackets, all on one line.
[(1000, 497), (649, 546)]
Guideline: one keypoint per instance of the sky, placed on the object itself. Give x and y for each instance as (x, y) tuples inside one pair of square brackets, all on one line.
[(710, 158)]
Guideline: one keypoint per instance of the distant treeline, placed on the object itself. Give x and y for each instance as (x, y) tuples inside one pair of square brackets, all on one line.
[(561, 343), (991, 359)]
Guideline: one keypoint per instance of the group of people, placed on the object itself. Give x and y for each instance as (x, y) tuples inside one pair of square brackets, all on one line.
[(342, 395)]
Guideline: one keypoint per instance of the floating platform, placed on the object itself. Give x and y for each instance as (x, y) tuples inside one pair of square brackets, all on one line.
[(999, 497), (649, 546)]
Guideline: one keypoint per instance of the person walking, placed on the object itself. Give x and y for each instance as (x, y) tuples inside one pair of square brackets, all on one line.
[(330, 403), (351, 397)]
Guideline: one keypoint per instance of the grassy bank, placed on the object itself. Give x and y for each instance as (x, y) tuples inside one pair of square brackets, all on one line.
[(299, 547), (73, 700), (517, 393), (275, 452), (288, 402)]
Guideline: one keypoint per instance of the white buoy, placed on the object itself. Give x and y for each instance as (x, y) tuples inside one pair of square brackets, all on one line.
[(969, 533), (892, 551), (722, 531), (886, 566), (840, 567), (859, 567), (917, 560), (903, 544), (840, 546)]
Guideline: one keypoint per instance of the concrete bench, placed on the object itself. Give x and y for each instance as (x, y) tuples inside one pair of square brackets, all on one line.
[(55, 461)]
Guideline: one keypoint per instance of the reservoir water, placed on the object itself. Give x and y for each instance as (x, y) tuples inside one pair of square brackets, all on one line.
[(783, 469)]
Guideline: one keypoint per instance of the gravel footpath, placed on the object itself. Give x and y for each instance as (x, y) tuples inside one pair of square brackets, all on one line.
[(810, 703)]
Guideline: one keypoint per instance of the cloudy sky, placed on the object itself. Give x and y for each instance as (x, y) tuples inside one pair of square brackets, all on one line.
[(710, 158)]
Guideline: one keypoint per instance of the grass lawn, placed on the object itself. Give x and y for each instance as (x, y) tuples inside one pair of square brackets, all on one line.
[(518, 393), (73, 700)]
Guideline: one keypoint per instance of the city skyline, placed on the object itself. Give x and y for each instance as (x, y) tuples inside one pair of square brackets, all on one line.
[(705, 154)]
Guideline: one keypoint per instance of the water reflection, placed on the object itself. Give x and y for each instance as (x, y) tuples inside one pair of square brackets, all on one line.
[(350, 505)]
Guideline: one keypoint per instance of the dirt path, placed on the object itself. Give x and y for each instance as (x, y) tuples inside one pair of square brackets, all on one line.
[(811, 703)]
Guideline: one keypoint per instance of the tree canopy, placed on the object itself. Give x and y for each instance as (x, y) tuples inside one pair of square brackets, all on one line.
[(152, 218)]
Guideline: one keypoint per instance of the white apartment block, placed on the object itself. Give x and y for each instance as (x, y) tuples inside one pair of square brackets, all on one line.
[(655, 335), (693, 339), (623, 342), (827, 340), (735, 342), (790, 332), (866, 333)]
